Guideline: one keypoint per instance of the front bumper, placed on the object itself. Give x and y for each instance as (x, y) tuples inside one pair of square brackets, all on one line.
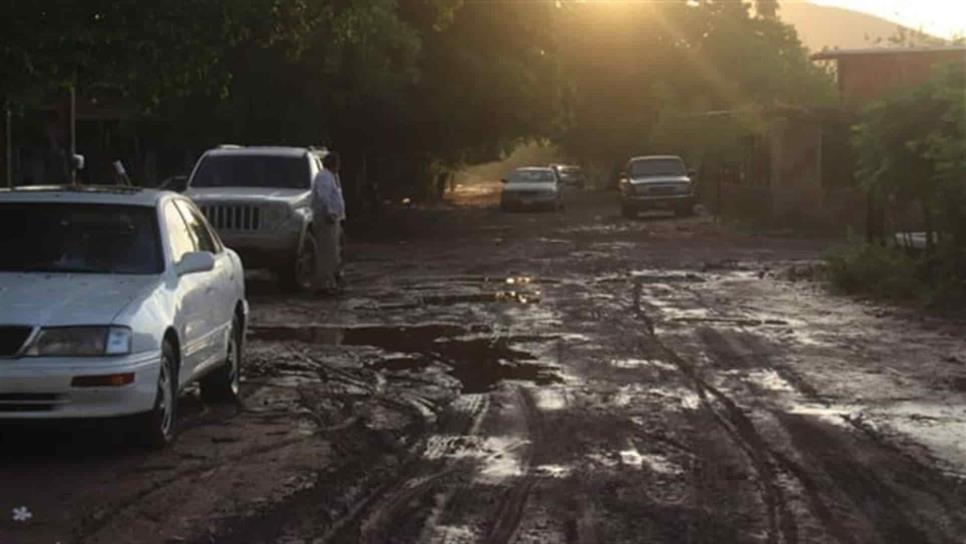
[(40, 388), (263, 250), (529, 199), (666, 202)]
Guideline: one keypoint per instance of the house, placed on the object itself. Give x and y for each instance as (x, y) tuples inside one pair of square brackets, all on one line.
[(795, 166), (865, 75)]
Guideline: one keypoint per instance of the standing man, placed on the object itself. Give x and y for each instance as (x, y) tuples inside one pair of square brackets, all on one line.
[(328, 207)]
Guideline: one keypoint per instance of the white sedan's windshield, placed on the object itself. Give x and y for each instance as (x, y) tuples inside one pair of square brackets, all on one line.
[(79, 238), (532, 176)]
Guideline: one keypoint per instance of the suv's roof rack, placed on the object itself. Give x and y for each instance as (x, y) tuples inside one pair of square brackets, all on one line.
[(230, 146)]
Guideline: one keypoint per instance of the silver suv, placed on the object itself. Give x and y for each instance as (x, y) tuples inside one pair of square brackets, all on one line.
[(260, 201)]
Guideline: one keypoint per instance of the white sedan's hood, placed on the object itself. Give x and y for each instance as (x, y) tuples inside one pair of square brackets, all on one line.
[(660, 179), (530, 187), (246, 194), (38, 298)]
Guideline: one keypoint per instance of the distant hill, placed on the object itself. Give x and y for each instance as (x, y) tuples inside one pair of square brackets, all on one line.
[(826, 26)]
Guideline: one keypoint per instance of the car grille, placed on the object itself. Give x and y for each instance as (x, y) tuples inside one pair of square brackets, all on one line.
[(29, 402), (234, 217), (657, 190), (12, 339)]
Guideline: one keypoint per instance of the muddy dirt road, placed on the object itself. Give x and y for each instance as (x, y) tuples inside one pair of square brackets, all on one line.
[(573, 378)]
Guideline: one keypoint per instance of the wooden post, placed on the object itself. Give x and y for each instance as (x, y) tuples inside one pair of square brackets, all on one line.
[(72, 147), (7, 144)]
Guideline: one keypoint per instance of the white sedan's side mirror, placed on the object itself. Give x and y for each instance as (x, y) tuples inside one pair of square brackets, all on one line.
[(194, 262)]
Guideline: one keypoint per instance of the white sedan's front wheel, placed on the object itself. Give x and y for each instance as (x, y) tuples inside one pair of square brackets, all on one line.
[(224, 383), (158, 427)]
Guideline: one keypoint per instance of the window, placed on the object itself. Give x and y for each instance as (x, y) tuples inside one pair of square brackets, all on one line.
[(179, 236), (201, 236), (656, 167), (79, 238), (237, 170)]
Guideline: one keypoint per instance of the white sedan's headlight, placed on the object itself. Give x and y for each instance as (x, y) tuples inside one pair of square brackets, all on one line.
[(81, 342)]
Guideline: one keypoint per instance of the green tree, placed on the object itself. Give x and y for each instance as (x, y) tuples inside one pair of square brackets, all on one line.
[(912, 148), (142, 51), (630, 66)]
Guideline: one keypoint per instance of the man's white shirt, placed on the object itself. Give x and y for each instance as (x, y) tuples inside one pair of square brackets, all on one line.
[(327, 195)]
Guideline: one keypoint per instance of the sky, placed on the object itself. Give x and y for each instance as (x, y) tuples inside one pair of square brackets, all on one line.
[(943, 18)]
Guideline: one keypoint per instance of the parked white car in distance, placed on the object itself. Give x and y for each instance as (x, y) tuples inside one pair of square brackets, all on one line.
[(112, 301), (532, 187)]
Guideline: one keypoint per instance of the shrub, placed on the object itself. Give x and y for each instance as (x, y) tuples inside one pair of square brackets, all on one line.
[(936, 282)]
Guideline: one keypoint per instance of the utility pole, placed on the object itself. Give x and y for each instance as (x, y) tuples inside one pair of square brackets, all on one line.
[(7, 144), (72, 120)]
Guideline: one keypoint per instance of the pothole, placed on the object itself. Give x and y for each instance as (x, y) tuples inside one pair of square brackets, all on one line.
[(507, 297), (473, 355)]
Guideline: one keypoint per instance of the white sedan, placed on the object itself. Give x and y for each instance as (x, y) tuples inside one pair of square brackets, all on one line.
[(113, 300), (532, 187)]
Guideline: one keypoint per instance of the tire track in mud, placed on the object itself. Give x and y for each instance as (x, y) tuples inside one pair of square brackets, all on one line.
[(782, 527), (91, 525), (376, 515), (856, 491), (509, 511), (840, 464)]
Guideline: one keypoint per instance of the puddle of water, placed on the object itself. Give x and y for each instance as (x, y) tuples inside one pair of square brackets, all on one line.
[(479, 361), (499, 456), (643, 363), (603, 460), (737, 321), (518, 297), (656, 276), (549, 400), (554, 471), (506, 280), (654, 462), (833, 414), (453, 534), (399, 339), (769, 380), (685, 398)]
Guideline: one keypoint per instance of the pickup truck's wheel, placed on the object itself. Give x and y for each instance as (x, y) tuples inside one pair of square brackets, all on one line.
[(157, 428), (301, 274), (224, 383)]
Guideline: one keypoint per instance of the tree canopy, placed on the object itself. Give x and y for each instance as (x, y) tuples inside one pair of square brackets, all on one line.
[(912, 148), (414, 84)]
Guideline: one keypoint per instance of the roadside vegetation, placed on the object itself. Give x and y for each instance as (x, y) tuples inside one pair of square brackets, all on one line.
[(911, 150), (407, 90)]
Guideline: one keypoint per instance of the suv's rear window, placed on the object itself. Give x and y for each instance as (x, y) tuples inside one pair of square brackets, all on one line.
[(79, 238), (252, 171)]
